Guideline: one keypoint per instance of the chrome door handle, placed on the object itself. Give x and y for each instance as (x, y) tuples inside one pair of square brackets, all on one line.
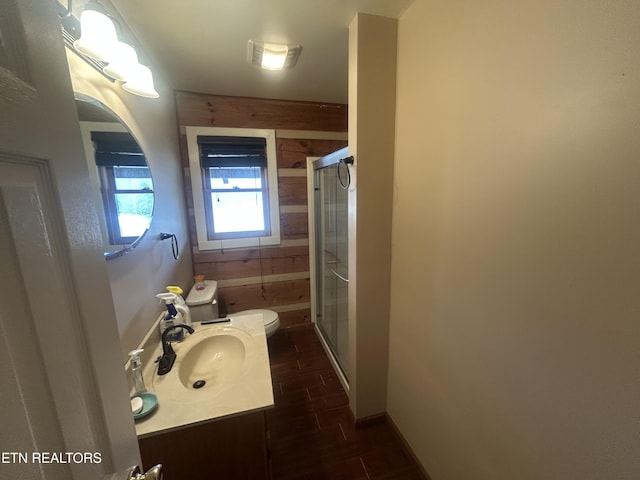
[(154, 473)]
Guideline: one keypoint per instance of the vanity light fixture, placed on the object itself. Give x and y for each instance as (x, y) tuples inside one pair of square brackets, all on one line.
[(272, 56), (98, 44)]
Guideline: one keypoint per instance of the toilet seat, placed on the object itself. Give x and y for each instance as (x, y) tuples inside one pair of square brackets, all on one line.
[(269, 317)]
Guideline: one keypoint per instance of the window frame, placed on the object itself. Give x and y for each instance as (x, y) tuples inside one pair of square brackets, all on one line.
[(111, 241), (201, 211), (110, 193)]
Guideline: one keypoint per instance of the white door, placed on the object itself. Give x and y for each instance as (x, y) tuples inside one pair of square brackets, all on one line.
[(64, 408)]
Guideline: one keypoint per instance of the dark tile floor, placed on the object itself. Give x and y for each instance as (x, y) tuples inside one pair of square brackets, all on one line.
[(311, 432)]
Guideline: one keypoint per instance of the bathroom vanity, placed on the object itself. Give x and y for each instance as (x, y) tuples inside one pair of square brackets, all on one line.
[(229, 448), (210, 419)]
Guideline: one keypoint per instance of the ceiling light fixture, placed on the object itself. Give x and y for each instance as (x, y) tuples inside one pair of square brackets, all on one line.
[(272, 56)]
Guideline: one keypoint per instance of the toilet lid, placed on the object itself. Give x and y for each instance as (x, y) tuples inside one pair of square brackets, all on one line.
[(268, 316)]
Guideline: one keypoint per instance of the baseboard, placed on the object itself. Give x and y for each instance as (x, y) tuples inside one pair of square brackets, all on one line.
[(368, 421), (407, 448), (385, 418)]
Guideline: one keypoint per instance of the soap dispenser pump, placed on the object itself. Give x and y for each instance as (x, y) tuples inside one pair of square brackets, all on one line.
[(136, 371)]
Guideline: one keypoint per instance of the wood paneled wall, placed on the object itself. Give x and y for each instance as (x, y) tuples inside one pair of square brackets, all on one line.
[(275, 277)]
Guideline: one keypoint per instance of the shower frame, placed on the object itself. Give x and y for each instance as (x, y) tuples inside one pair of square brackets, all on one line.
[(313, 164)]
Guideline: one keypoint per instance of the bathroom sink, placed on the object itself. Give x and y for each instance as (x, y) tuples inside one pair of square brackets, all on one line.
[(219, 370), (212, 360), (207, 362)]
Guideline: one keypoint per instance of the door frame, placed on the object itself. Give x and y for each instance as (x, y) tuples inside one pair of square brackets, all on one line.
[(73, 317), (314, 163)]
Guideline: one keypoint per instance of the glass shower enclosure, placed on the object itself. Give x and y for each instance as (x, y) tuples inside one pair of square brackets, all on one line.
[(330, 185)]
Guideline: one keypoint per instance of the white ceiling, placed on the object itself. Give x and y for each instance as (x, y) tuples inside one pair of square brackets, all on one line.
[(200, 45)]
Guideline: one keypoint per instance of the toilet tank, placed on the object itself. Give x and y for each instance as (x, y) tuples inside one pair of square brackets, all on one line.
[(203, 304)]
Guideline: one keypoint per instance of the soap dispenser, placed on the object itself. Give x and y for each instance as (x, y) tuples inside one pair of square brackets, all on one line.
[(136, 371), (171, 318)]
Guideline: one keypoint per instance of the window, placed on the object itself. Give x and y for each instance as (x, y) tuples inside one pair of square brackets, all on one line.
[(234, 185), (125, 185)]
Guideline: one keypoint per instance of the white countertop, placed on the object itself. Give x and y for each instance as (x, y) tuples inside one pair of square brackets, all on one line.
[(234, 386)]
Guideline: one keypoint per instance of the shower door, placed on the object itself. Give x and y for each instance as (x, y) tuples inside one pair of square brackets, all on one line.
[(331, 253)]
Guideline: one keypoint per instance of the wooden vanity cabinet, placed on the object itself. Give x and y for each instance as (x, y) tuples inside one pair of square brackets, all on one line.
[(230, 448)]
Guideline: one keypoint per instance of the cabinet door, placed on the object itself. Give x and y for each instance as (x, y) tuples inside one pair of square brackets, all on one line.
[(232, 448)]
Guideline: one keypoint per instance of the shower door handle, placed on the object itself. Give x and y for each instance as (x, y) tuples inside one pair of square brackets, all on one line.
[(338, 275), (335, 262)]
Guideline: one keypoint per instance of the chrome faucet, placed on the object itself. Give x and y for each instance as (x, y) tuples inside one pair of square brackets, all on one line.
[(168, 355)]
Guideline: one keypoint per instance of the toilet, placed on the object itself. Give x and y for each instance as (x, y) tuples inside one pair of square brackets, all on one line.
[(203, 305), (269, 317)]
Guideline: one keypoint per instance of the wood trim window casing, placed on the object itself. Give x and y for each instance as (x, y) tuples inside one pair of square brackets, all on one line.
[(200, 205)]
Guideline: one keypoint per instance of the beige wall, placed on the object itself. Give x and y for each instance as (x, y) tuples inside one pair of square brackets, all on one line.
[(372, 64), (150, 267), (515, 332)]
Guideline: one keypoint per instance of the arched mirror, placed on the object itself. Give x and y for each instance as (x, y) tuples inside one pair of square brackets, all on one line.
[(120, 176)]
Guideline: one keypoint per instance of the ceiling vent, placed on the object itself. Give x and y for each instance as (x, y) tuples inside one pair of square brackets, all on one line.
[(272, 56)]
